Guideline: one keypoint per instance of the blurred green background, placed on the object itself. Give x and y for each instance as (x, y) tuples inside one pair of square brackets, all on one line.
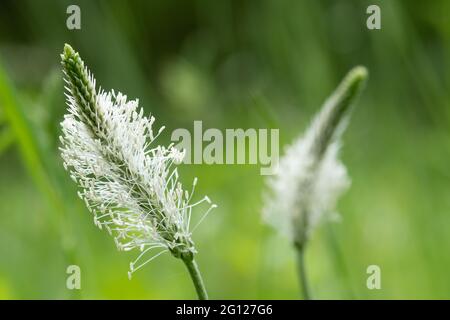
[(248, 64)]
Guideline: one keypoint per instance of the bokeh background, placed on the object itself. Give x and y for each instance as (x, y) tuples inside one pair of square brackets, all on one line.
[(247, 64)]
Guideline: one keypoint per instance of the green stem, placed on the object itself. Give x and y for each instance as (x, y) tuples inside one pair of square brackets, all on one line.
[(196, 277), (302, 273)]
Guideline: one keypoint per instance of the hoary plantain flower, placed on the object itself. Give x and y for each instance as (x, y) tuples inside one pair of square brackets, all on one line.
[(310, 177), (127, 182)]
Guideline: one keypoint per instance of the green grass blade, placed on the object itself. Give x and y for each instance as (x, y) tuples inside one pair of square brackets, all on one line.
[(6, 139), (27, 145)]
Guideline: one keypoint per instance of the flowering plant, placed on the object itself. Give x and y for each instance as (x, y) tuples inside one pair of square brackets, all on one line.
[(126, 181)]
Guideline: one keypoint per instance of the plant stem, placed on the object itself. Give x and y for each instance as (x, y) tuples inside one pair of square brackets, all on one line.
[(196, 277), (302, 273)]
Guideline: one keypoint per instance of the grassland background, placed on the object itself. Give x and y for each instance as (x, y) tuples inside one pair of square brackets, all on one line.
[(248, 64)]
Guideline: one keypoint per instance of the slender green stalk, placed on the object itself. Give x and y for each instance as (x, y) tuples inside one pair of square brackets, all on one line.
[(196, 277), (302, 273)]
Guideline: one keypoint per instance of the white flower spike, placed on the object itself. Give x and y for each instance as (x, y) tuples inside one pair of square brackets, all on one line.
[(127, 182), (310, 177)]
